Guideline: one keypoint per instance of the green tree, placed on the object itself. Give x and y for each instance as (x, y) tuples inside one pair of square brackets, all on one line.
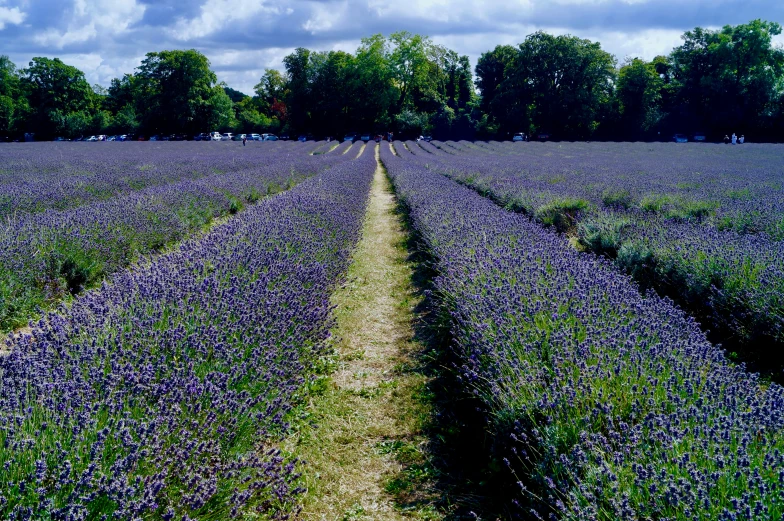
[(218, 111), (561, 84), (271, 88), (409, 62), (10, 95), (56, 91), (730, 79), (373, 93), (234, 95), (639, 92), (491, 70), (177, 93), (297, 99)]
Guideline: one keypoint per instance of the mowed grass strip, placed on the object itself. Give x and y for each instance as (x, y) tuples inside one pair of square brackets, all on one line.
[(366, 456)]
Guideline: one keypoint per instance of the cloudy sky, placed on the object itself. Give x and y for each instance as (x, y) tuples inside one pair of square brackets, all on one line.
[(106, 38)]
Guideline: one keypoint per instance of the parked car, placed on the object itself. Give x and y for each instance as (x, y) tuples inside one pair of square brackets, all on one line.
[(226, 136), (270, 137), (58, 138), (284, 137), (302, 138), (680, 138), (518, 137), (350, 137), (215, 136), (365, 138), (238, 137), (204, 136), (699, 137), (427, 138), (92, 138), (254, 137), (543, 136)]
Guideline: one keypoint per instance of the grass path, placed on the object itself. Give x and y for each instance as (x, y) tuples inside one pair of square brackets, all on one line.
[(367, 459)]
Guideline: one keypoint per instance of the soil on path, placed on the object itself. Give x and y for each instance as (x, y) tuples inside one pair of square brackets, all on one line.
[(367, 459)]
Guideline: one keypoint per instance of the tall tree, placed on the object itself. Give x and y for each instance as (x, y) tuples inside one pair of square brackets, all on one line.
[(639, 93), (12, 104), (561, 84), (730, 79), (58, 94), (177, 92), (297, 99), (271, 87), (491, 70), (373, 92), (409, 63)]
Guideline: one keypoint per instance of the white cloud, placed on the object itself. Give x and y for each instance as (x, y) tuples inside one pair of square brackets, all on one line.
[(91, 18), (217, 14), (11, 15)]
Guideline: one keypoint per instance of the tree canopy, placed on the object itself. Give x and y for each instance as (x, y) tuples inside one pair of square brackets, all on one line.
[(716, 81)]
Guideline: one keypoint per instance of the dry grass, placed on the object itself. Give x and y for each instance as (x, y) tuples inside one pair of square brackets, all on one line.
[(367, 459)]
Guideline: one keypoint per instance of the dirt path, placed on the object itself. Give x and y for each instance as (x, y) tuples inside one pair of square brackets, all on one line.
[(367, 460)]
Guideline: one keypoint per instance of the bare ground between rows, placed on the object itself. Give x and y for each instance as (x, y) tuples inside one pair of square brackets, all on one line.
[(368, 457)]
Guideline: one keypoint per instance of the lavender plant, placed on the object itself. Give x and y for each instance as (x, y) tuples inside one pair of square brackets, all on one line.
[(162, 394), (659, 219), (601, 402), (45, 257)]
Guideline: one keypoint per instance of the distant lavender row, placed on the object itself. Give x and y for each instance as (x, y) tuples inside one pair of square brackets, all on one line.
[(46, 256), (162, 394), (733, 283), (727, 187), (39, 176), (604, 403)]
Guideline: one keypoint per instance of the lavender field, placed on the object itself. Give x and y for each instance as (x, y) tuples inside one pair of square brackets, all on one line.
[(602, 399), (699, 224), (74, 214), (162, 394), (604, 311)]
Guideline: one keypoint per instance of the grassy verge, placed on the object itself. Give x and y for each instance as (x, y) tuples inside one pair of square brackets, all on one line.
[(366, 447)]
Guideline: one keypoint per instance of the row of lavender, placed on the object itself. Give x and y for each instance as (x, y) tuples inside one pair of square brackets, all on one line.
[(731, 281), (46, 256), (604, 403), (61, 176), (162, 394), (737, 188)]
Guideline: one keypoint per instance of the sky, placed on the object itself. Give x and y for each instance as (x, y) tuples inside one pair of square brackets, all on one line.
[(241, 38)]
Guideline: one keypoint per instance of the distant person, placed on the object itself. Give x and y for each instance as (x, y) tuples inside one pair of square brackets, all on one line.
[(734, 139), (742, 139), (244, 139), (726, 139)]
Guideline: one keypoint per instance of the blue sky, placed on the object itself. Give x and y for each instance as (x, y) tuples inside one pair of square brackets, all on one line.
[(106, 38)]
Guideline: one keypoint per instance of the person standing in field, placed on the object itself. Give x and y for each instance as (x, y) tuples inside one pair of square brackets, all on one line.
[(734, 139), (244, 139), (726, 139)]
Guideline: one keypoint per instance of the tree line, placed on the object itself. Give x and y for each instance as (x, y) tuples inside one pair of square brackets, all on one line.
[(715, 82)]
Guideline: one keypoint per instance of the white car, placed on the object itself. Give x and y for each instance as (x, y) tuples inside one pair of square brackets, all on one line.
[(215, 136), (226, 136), (518, 137), (270, 137), (254, 137), (92, 138)]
